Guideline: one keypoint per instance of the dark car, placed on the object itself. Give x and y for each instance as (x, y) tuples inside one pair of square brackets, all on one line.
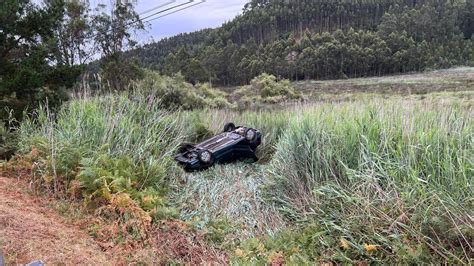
[(232, 144)]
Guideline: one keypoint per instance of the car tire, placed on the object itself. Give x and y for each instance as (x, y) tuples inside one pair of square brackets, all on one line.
[(229, 127), (206, 157), (252, 139)]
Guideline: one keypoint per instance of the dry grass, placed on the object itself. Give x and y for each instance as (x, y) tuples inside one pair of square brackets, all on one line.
[(31, 231), (32, 228), (456, 79), (231, 192)]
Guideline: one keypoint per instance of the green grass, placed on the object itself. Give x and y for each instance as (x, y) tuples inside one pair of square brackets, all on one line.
[(395, 174), (106, 151), (391, 174)]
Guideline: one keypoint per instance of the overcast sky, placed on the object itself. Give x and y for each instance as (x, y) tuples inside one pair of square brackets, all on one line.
[(209, 14)]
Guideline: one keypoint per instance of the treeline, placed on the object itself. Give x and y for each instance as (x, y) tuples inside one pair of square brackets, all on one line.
[(321, 39)]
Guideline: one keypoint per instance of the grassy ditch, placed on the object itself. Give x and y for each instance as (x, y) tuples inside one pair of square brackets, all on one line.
[(385, 180), (369, 180)]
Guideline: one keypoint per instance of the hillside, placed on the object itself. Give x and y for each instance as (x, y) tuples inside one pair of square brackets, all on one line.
[(320, 40)]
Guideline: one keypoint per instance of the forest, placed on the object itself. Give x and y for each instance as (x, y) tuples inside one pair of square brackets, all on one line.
[(320, 40)]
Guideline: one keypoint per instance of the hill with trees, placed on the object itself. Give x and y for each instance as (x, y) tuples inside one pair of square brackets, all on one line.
[(320, 40)]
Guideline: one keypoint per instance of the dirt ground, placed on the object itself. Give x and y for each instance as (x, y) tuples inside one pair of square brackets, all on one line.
[(31, 229)]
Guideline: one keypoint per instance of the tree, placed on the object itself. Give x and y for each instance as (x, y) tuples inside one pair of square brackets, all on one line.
[(113, 35), (28, 74), (72, 35), (210, 59), (467, 20)]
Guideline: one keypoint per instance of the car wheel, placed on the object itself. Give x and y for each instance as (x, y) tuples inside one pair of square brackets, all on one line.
[(251, 135), (229, 127), (206, 157)]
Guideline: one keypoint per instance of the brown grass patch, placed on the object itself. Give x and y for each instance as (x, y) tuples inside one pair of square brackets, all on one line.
[(33, 228)]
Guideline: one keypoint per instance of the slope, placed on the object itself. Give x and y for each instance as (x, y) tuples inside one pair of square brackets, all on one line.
[(30, 230)]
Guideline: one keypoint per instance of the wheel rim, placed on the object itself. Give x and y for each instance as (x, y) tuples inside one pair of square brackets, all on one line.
[(205, 156)]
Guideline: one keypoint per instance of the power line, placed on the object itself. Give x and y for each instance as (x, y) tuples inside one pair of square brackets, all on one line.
[(164, 10), (157, 7), (176, 11), (154, 14), (143, 20)]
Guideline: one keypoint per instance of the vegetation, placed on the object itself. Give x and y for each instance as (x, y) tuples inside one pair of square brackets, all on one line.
[(353, 182), (174, 92), (371, 180), (367, 170), (113, 35), (44, 48), (320, 40), (266, 89), (8, 142), (344, 172), (27, 46), (112, 152)]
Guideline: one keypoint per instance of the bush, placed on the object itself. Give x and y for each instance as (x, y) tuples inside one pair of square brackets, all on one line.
[(8, 143), (266, 89), (175, 93)]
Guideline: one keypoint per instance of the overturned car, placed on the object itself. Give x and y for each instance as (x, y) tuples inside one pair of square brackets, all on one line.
[(232, 144)]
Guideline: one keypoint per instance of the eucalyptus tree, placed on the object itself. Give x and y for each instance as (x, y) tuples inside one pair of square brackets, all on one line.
[(113, 29)]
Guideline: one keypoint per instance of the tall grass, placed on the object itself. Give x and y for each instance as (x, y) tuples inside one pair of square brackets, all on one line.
[(394, 174), (105, 150), (376, 180), (424, 147)]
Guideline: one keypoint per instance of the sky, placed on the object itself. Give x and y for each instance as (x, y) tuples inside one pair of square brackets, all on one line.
[(210, 14)]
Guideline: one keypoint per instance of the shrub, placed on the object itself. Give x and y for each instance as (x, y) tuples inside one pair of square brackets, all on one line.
[(266, 89), (8, 143), (175, 93), (212, 98)]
